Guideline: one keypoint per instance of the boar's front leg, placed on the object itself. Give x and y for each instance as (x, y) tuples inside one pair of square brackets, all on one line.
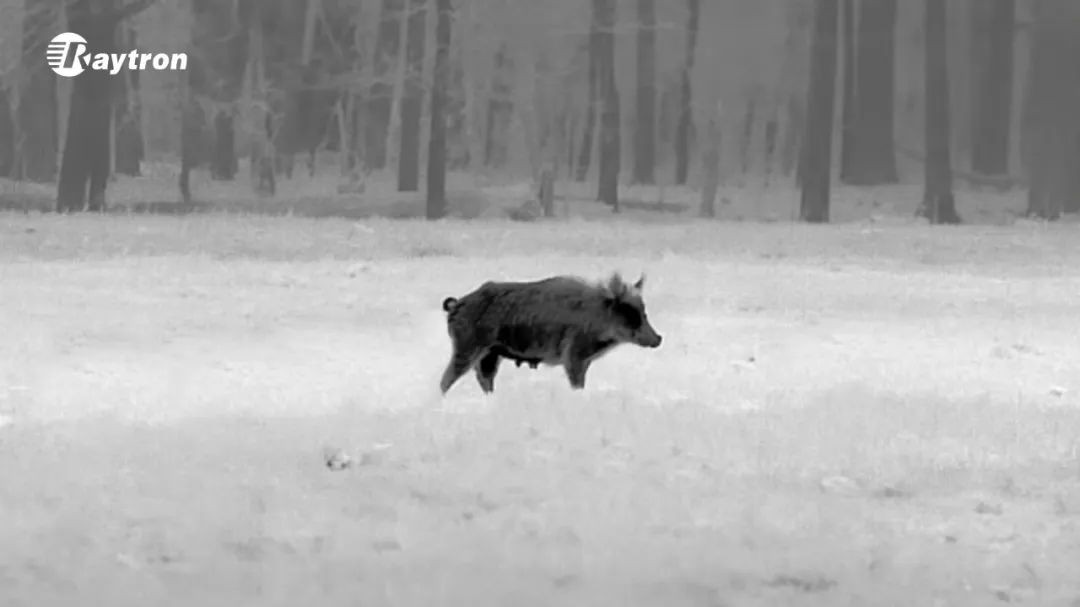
[(486, 369), (576, 361)]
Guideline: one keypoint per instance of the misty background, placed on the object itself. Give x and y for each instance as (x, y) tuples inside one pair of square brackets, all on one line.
[(680, 105)]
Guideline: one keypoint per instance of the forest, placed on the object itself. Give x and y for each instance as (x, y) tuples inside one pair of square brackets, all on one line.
[(583, 100)]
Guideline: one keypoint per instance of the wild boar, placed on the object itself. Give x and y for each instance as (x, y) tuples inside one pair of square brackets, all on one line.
[(561, 320)]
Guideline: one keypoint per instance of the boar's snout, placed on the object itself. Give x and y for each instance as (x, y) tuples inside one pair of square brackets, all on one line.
[(648, 337)]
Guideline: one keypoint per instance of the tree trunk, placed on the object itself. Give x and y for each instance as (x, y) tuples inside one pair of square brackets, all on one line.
[(307, 42), (938, 204), (84, 169), (793, 84), (571, 111), (224, 51), (304, 126), (7, 134), (820, 104), (189, 140), (546, 100), (379, 104), (772, 132), (570, 128), (610, 140), (593, 102), (994, 34), (345, 126), (793, 133), (129, 143), (36, 125), (872, 158), (1052, 121), (265, 155), (686, 113), (412, 98), (191, 116), (223, 164), (710, 160), (546, 191), (500, 108), (436, 169), (847, 99), (668, 89), (645, 102), (749, 119), (353, 108), (457, 143), (472, 110)]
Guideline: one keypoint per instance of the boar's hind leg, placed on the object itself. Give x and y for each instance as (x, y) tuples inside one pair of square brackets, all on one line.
[(486, 369), (460, 362), (575, 372)]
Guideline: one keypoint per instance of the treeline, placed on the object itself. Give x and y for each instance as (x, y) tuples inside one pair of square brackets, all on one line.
[(611, 92)]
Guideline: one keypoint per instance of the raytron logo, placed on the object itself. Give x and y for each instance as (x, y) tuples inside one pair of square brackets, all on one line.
[(68, 55)]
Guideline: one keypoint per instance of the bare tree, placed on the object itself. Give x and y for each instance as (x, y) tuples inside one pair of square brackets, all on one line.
[(686, 109), (938, 204), (380, 99), (816, 156), (1051, 120), (993, 24), (645, 101), (610, 140), (869, 155), (436, 169), (412, 98)]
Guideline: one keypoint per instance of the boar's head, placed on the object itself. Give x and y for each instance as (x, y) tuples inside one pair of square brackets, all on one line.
[(631, 324)]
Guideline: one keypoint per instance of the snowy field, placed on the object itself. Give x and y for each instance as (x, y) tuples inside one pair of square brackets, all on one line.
[(858, 414)]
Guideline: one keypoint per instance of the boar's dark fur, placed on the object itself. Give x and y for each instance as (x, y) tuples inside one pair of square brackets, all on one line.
[(556, 321)]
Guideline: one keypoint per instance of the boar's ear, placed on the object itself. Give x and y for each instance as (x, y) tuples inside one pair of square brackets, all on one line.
[(640, 284), (616, 286)]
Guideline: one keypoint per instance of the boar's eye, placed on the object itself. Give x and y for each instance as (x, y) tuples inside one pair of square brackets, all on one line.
[(629, 314)]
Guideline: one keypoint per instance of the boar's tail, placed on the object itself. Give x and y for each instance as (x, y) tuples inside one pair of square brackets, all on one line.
[(449, 304)]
